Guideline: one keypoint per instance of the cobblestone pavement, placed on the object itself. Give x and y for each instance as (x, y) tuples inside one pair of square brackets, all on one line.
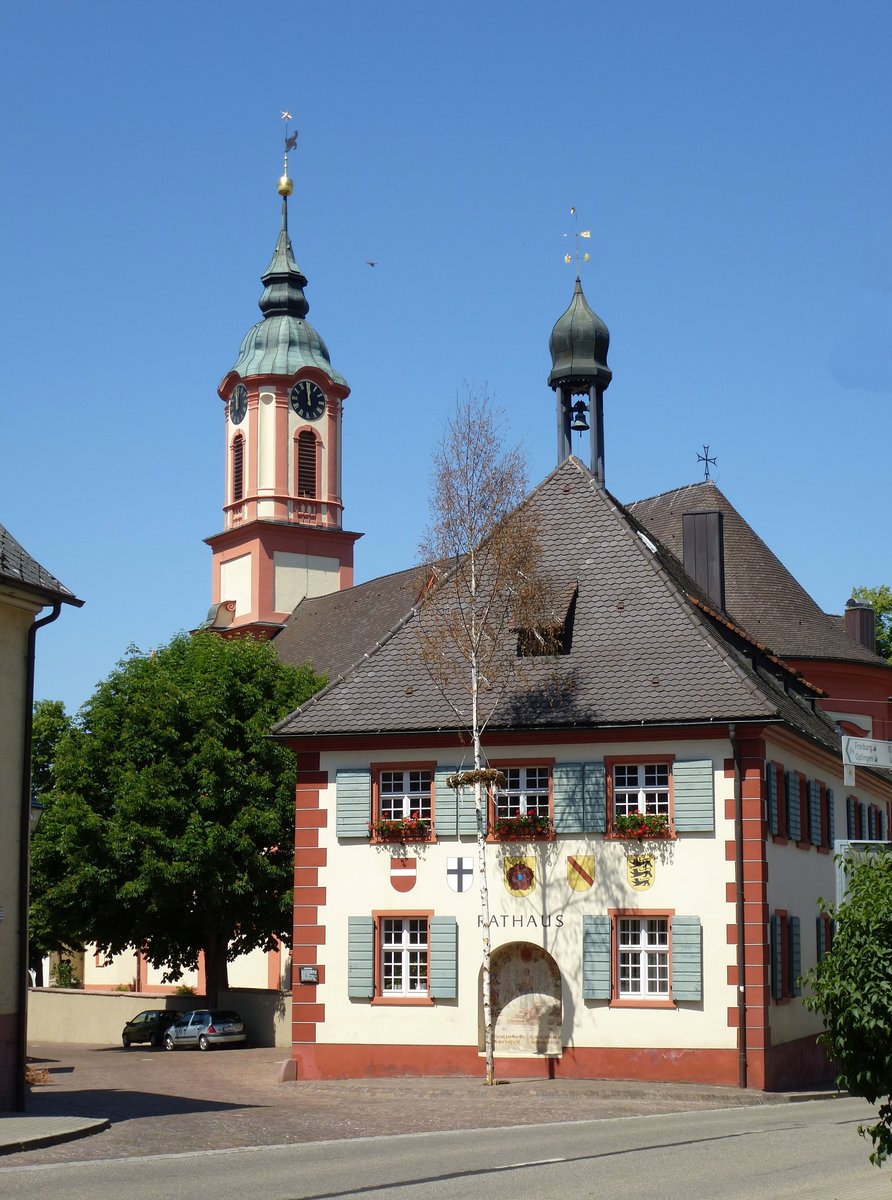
[(161, 1103)]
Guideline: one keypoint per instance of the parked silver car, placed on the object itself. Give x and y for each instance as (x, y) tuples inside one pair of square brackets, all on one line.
[(205, 1028)]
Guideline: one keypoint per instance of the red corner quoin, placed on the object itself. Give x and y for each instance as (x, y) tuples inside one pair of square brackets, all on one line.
[(309, 901)]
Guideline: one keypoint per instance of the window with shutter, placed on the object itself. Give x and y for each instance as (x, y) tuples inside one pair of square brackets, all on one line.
[(238, 467), (306, 463)]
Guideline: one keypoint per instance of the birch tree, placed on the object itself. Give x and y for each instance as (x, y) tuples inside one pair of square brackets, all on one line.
[(480, 550)]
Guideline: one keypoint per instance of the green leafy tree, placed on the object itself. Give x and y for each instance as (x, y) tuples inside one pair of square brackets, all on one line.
[(852, 989), (50, 723), (881, 599), (170, 824)]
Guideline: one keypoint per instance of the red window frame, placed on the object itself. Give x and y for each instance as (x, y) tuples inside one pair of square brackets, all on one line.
[(380, 915), (377, 770), (504, 764), (621, 760), (616, 915)]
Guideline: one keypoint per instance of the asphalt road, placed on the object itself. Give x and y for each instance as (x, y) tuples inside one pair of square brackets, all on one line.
[(807, 1151)]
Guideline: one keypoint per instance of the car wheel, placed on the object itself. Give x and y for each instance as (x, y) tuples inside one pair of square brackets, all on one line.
[(126, 1040), (203, 1043), (169, 1043)]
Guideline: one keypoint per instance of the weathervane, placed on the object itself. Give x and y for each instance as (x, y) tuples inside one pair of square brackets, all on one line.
[(578, 233), (286, 187), (706, 460)]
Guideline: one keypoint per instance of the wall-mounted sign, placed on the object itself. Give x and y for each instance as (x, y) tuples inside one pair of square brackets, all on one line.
[(309, 974)]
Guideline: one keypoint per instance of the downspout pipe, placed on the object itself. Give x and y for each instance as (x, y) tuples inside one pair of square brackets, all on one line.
[(24, 861), (741, 926)]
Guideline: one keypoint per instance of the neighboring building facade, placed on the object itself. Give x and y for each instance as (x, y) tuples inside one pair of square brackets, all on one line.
[(25, 589)]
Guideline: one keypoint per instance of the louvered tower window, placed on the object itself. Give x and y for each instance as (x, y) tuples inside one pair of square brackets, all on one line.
[(306, 463), (238, 468)]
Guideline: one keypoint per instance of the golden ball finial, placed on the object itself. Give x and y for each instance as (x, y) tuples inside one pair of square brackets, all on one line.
[(285, 187)]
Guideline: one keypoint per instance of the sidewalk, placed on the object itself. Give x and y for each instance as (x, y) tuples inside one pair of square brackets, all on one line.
[(143, 1101), (19, 1131)]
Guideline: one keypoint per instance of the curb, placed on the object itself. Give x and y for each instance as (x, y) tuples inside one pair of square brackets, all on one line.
[(21, 1140)]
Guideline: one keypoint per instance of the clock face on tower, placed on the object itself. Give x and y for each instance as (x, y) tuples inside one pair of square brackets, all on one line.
[(308, 400), (238, 404)]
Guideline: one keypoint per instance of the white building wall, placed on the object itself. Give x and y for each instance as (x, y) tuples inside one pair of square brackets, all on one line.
[(691, 877)]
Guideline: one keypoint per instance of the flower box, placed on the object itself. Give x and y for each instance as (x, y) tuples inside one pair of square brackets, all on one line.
[(522, 828), (641, 825), (400, 829)]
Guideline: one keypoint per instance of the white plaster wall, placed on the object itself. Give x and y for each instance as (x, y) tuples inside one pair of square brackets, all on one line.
[(235, 583), (266, 445), (300, 575), (691, 881), (116, 971)]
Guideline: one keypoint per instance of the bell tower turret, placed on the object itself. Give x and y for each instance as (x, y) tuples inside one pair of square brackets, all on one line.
[(283, 537), (578, 345)]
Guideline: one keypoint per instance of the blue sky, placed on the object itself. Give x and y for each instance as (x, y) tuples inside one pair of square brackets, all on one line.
[(731, 160)]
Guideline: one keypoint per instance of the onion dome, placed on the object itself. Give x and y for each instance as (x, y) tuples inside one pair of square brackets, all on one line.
[(284, 341), (578, 346)]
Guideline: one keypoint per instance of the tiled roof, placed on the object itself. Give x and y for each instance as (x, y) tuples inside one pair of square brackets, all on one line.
[(760, 593), (640, 653), (334, 632), (20, 570)]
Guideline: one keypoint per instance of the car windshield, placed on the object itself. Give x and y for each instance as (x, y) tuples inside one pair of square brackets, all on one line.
[(224, 1018)]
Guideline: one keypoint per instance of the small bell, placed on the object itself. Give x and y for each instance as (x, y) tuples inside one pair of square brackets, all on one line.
[(579, 424)]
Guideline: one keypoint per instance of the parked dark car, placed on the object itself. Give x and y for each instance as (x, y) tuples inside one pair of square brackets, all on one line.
[(205, 1028), (148, 1026)]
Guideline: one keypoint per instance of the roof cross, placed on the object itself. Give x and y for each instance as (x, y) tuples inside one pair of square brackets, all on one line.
[(706, 460)]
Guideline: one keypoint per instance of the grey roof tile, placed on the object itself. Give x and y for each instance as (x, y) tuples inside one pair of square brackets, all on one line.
[(760, 593), (20, 570), (640, 652)]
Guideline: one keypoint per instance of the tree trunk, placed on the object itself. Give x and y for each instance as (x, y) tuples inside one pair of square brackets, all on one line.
[(216, 967)]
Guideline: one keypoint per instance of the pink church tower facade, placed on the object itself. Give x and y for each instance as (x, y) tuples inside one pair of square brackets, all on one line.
[(283, 537)]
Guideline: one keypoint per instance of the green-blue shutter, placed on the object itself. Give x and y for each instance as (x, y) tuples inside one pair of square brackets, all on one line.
[(687, 959), (596, 957), (353, 796), (795, 956), (442, 967), (467, 817), (883, 825), (831, 818), (777, 982), (814, 812), (794, 808), (820, 937), (445, 804), (569, 798), (595, 797), (771, 779), (862, 820), (693, 796), (360, 957), (850, 818)]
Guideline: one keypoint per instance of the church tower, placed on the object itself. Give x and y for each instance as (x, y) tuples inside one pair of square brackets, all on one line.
[(578, 345), (283, 537)]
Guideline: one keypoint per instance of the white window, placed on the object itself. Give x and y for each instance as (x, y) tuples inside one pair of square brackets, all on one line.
[(642, 948), (525, 792), (404, 955), (404, 795), (641, 788)]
